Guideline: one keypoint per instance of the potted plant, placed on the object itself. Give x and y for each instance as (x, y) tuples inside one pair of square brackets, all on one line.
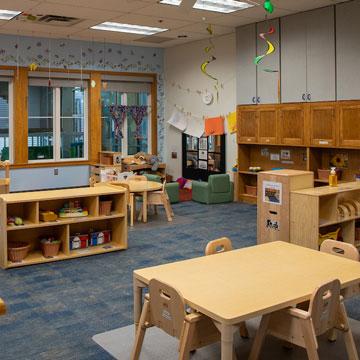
[(50, 246)]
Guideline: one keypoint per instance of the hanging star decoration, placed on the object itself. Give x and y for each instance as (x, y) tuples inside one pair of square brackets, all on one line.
[(212, 58), (33, 67), (271, 48), (268, 6)]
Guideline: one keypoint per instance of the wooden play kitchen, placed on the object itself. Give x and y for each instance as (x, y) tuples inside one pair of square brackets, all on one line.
[(258, 293), (79, 222)]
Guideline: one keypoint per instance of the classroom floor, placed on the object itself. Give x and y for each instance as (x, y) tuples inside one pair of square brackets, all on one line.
[(55, 309)]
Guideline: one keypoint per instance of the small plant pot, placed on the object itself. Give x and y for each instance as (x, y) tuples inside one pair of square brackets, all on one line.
[(17, 251), (105, 207), (50, 250)]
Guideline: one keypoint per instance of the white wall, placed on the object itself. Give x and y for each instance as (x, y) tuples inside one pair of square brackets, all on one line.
[(182, 67)]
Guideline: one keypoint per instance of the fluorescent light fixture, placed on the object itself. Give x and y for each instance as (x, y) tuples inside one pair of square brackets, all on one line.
[(8, 14), (127, 28), (222, 6), (171, 2)]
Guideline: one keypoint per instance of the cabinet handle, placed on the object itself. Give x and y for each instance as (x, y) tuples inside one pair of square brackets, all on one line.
[(309, 97), (258, 100), (304, 97), (248, 139), (254, 100)]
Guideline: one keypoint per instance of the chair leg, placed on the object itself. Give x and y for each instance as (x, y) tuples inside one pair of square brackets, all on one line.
[(132, 209), (140, 214), (310, 340), (331, 335), (167, 209), (244, 333), (185, 341), (140, 334), (259, 338), (348, 336)]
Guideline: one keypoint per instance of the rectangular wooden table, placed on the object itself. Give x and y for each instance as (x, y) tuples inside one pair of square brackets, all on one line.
[(241, 284)]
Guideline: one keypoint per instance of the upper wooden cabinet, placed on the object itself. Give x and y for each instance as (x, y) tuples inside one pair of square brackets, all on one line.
[(268, 125), (323, 124), (308, 56), (348, 50), (247, 124), (292, 124), (349, 124)]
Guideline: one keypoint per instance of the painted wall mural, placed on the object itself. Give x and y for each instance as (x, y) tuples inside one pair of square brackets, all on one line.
[(87, 55)]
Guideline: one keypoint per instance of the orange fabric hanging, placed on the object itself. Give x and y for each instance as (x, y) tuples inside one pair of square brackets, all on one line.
[(214, 126)]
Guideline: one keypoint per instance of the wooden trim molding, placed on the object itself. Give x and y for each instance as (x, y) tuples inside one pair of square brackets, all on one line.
[(154, 125), (49, 164), (94, 135)]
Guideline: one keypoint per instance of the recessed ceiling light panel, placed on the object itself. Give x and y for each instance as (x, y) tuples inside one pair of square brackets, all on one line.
[(128, 28), (8, 14), (171, 2), (222, 6)]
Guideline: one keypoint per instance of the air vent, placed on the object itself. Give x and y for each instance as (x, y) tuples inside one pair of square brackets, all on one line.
[(52, 20), (154, 39)]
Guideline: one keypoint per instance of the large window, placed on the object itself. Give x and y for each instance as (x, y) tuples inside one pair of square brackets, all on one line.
[(131, 137), (57, 121), (5, 119)]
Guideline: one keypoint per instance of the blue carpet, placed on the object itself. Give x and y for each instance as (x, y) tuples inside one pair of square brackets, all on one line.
[(55, 309)]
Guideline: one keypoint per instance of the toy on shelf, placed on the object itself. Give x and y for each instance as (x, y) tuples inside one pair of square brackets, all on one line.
[(15, 221), (100, 237), (73, 209), (79, 241), (334, 235), (48, 215), (50, 246), (255, 168)]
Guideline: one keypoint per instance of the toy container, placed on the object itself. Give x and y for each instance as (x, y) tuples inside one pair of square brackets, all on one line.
[(79, 241), (100, 237)]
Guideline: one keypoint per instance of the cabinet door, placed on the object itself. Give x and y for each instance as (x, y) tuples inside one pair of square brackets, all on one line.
[(292, 124), (268, 82), (349, 125), (348, 50), (247, 124), (323, 123), (320, 55), (245, 68), (293, 58), (267, 123)]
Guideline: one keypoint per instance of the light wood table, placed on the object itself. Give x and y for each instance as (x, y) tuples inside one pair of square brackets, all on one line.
[(2, 307), (241, 284), (140, 187)]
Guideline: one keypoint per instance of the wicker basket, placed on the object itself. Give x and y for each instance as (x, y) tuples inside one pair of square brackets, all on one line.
[(18, 250), (105, 207), (51, 249)]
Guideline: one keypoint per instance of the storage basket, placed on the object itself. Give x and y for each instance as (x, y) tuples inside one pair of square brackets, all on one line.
[(105, 207), (50, 249), (251, 190), (18, 250)]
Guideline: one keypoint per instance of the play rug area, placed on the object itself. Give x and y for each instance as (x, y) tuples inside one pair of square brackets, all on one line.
[(159, 345)]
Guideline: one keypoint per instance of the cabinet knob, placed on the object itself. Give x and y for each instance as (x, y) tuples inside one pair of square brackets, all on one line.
[(248, 139), (267, 140), (309, 97), (258, 100), (254, 100), (304, 97)]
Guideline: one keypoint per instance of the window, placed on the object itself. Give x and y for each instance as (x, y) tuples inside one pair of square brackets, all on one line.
[(133, 135), (5, 119), (57, 121)]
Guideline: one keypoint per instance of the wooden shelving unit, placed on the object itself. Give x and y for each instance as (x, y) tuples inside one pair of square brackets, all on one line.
[(314, 211), (313, 132), (28, 206)]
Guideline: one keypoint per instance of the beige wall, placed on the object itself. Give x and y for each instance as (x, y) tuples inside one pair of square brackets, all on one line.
[(182, 66)]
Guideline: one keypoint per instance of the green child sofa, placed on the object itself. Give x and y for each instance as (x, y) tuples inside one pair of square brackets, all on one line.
[(218, 189)]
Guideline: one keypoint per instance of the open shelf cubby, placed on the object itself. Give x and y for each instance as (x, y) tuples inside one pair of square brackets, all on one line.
[(28, 207)]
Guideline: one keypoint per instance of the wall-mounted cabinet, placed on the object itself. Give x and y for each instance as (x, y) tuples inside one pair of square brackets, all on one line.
[(308, 56), (254, 85), (349, 124), (292, 124), (247, 124), (268, 125)]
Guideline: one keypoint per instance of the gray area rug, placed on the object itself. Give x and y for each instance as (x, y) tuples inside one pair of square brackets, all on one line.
[(159, 346)]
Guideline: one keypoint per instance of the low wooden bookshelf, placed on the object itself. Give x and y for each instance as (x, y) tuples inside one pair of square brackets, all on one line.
[(27, 205), (315, 211)]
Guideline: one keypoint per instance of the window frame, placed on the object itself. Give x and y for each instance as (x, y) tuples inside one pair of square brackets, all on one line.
[(10, 82), (57, 129)]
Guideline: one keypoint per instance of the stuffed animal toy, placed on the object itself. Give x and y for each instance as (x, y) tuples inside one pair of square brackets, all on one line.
[(148, 159)]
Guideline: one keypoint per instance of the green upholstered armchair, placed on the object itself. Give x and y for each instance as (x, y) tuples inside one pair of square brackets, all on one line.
[(218, 189)]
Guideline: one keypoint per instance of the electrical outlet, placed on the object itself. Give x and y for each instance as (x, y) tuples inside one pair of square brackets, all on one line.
[(56, 171)]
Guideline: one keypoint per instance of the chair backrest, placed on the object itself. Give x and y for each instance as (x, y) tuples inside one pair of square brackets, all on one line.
[(167, 307), (218, 246), (138, 178), (340, 248), (5, 182), (324, 306), (219, 183)]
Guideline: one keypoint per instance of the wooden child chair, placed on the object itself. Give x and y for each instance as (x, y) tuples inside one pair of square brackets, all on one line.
[(157, 198), (219, 246), (5, 182), (164, 307), (326, 311)]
